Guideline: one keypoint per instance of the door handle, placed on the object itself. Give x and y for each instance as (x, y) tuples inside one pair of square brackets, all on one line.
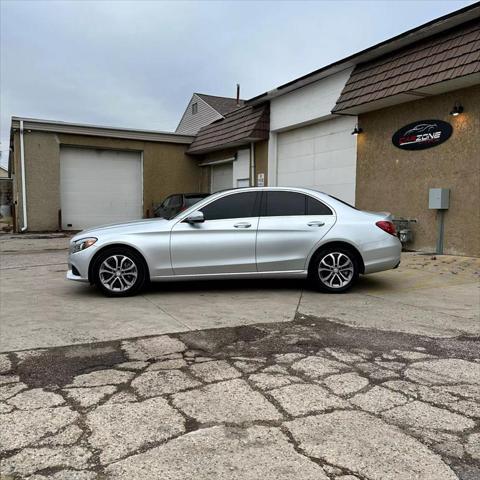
[(316, 224), (243, 225)]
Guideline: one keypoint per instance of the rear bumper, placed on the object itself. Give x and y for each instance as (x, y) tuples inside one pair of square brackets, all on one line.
[(383, 255)]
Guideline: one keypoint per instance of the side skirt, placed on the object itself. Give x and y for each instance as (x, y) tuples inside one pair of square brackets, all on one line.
[(231, 276)]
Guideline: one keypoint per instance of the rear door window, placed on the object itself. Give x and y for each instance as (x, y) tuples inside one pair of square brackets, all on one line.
[(316, 207), (282, 204)]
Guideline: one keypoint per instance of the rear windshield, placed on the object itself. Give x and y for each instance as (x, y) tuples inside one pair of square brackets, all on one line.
[(342, 201)]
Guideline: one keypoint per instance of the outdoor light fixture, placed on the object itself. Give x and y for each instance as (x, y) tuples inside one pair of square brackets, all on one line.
[(357, 130), (457, 109)]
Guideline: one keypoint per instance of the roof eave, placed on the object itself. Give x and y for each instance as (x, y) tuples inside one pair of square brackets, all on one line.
[(34, 124), (238, 143)]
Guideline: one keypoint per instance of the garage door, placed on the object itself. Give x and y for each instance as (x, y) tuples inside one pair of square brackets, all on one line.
[(320, 156), (222, 177), (99, 187)]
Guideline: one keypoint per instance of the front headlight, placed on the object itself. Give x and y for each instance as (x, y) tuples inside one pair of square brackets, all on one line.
[(82, 244)]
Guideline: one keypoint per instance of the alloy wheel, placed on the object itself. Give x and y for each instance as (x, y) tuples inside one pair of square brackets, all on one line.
[(335, 270), (118, 273)]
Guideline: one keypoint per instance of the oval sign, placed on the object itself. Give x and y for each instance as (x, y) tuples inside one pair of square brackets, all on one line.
[(422, 134)]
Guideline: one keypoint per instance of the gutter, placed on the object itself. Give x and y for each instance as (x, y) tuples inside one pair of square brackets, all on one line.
[(24, 188), (252, 164)]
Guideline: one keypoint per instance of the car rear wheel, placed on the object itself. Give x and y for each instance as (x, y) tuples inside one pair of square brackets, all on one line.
[(119, 272), (334, 270)]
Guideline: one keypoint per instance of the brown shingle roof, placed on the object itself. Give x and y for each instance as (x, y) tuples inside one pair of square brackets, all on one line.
[(443, 57), (222, 105), (247, 124)]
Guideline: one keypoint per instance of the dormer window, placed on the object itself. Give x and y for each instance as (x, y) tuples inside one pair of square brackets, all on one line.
[(194, 108)]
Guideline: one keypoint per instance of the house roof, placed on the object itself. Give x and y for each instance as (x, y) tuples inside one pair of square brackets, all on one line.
[(444, 57), (417, 34), (222, 105), (247, 124)]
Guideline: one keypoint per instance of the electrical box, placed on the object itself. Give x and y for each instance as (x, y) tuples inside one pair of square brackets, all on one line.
[(439, 198)]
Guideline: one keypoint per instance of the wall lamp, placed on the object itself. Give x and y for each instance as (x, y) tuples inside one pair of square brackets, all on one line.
[(357, 130), (457, 109)]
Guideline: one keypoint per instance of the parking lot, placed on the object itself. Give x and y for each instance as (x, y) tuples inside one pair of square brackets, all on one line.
[(40, 308), (240, 380)]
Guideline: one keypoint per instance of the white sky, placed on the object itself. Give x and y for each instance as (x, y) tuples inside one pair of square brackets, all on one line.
[(136, 63)]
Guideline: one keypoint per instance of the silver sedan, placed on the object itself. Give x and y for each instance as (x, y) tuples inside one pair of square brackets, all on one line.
[(243, 233)]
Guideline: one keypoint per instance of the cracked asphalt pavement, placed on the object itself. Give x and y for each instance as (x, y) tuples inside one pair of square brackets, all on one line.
[(308, 399), (238, 380)]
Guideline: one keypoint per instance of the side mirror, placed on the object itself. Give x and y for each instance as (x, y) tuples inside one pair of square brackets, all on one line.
[(195, 217)]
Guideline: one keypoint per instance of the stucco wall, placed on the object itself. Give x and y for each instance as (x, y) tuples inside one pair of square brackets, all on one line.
[(166, 170), (398, 180)]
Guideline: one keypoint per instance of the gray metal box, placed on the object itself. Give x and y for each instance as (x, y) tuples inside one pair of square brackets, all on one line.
[(439, 198)]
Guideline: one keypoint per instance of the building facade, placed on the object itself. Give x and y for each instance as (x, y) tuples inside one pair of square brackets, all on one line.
[(77, 176), (336, 129)]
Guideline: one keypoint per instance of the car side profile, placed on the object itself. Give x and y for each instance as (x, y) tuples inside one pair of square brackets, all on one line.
[(241, 233)]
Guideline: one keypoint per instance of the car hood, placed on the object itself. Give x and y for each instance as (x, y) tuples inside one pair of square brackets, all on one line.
[(143, 225)]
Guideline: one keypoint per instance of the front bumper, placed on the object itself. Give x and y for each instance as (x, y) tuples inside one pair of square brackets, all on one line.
[(78, 264), (77, 278)]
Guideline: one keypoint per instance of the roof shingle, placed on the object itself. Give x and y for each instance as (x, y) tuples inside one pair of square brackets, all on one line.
[(222, 105), (443, 57), (247, 124)]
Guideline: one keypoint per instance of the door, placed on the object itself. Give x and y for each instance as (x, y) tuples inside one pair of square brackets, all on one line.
[(99, 187), (223, 243), (290, 225), (222, 177)]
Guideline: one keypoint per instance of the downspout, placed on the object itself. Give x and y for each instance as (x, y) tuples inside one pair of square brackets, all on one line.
[(24, 191), (252, 164)]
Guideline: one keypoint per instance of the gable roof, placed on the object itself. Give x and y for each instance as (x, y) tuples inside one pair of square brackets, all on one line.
[(444, 57), (222, 105), (244, 125)]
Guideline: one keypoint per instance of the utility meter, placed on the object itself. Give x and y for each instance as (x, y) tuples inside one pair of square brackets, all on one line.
[(439, 198)]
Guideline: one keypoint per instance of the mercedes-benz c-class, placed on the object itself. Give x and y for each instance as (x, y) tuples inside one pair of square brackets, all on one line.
[(240, 233)]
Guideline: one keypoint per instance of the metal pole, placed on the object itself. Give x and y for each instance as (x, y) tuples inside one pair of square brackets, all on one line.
[(440, 225)]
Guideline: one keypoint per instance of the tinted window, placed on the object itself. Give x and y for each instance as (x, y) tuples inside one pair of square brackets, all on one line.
[(284, 203), (315, 207), (176, 201), (189, 201), (238, 205)]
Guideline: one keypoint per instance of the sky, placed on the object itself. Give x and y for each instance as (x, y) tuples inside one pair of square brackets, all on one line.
[(135, 64)]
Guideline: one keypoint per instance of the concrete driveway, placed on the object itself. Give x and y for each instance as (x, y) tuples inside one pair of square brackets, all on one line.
[(253, 380), (41, 309)]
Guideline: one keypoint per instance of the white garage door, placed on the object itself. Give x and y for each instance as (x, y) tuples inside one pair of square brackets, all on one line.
[(222, 177), (99, 187), (320, 156)]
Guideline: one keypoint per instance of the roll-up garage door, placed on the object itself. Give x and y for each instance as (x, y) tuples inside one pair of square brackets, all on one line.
[(222, 177), (320, 156), (99, 187)]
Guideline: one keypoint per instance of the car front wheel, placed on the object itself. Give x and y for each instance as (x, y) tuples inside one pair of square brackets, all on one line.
[(334, 270), (119, 272)]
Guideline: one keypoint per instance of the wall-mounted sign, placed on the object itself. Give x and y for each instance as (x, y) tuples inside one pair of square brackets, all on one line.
[(422, 134), (260, 180)]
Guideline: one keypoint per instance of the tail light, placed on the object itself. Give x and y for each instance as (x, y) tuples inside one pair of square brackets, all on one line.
[(387, 226)]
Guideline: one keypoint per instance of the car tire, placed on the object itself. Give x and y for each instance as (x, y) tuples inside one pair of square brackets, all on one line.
[(334, 270), (119, 272)]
